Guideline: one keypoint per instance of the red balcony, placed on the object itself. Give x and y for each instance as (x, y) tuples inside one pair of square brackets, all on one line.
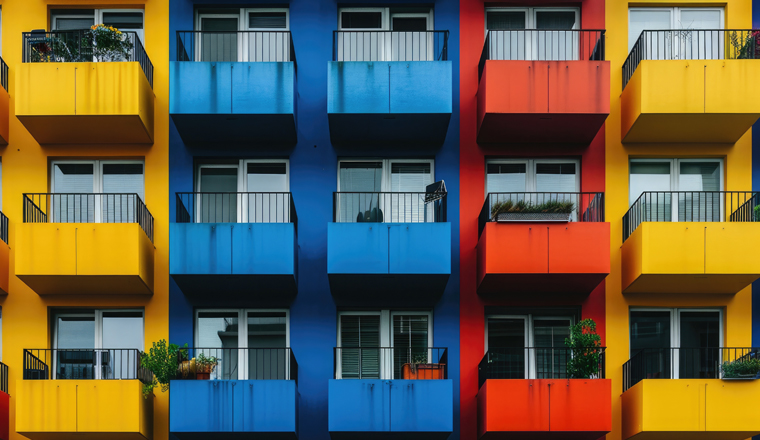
[(540, 86), (561, 256)]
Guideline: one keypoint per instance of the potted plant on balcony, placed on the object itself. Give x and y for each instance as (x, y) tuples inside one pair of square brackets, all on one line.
[(746, 44), (108, 43), (526, 211), (204, 366), (585, 351), (419, 368), (746, 367), (163, 361)]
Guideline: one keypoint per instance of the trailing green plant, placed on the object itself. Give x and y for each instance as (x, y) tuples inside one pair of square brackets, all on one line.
[(756, 212), (585, 350), (163, 361), (204, 364), (741, 368), (521, 206), (746, 44)]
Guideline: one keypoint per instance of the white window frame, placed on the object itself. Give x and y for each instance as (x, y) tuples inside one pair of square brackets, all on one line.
[(675, 328), (97, 18), (243, 20), (675, 17), (384, 18), (386, 337), (530, 171), (386, 24), (530, 15), (387, 166), (243, 335)]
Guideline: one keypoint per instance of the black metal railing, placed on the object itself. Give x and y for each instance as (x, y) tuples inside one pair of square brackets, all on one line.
[(3, 74), (3, 378), (389, 207), (232, 46), (542, 45), (542, 363), (4, 228), (692, 44), (73, 46), (232, 363), (390, 45), (391, 363), (687, 363), (541, 207), (692, 206), (243, 207), (86, 363), (87, 208)]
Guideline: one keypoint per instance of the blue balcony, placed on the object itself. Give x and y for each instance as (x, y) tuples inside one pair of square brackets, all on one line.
[(386, 406), (227, 408), (386, 247), (234, 88), (389, 87), (237, 245)]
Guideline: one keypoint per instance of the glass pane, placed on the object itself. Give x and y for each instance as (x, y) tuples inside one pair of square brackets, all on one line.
[(499, 20), (651, 176), (267, 357), (361, 20), (700, 45), (220, 39), (267, 20), (218, 337), (410, 342), (409, 24), (555, 20), (121, 330), (355, 178), (702, 207), (557, 44), (640, 20), (556, 177), (700, 337), (650, 330), (124, 20), (218, 203), (74, 20), (126, 180), (700, 19), (506, 347), (506, 177), (70, 182), (267, 178), (547, 334), (359, 337), (75, 333), (408, 178)]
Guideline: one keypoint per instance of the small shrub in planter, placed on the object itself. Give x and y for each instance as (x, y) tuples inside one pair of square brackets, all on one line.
[(521, 210), (419, 368), (585, 350), (163, 361), (204, 366), (741, 369)]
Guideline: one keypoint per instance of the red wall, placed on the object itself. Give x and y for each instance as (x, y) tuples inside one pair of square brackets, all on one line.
[(472, 193)]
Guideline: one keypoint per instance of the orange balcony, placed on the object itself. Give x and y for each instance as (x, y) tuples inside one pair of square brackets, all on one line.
[(561, 256), (514, 405), (539, 86)]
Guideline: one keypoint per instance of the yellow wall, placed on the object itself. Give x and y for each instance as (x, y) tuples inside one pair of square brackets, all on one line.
[(738, 311), (25, 169)]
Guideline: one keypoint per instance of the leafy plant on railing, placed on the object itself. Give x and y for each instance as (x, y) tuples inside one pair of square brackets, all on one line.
[(163, 361), (205, 364), (101, 42), (585, 350), (521, 206), (52, 49), (746, 44), (741, 368), (109, 43), (756, 213)]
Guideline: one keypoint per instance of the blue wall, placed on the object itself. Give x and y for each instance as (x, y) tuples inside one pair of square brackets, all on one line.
[(313, 171)]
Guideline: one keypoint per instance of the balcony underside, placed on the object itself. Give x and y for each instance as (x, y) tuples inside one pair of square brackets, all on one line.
[(380, 129), (379, 290), (569, 287), (87, 284), (542, 101), (81, 129), (237, 130), (272, 290)]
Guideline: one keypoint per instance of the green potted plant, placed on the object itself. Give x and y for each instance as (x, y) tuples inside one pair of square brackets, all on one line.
[(526, 211), (419, 368), (204, 365), (163, 361), (585, 350), (742, 368)]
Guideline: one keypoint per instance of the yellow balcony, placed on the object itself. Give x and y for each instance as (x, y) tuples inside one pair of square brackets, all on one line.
[(4, 104), (65, 254), (64, 97), (683, 93), (714, 409), (83, 410)]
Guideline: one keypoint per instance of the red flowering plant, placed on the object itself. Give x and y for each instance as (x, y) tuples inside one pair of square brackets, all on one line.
[(746, 44), (585, 351)]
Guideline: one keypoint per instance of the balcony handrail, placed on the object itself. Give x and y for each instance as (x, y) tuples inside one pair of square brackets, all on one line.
[(71, 46), (542, 45), (390, 45), (542, 363), (4, 228), (389, 207), (692, 206), (388, 363), (87, 208), (3, 74), (584, 207), (692, 44), (249, 207), (272, 363), (262, 46), (683, 363), (85, 364)]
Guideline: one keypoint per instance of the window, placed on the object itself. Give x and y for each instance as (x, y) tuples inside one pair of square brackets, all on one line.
[(243, 34), (678, 44), (75, 183), (248, 343), (698, 180), (545, 38), (376, 345), (249, 191), (693, 334), (532, 175), (97, 344), (361, 184), (523, 344), (410, 40), (131, 20)]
